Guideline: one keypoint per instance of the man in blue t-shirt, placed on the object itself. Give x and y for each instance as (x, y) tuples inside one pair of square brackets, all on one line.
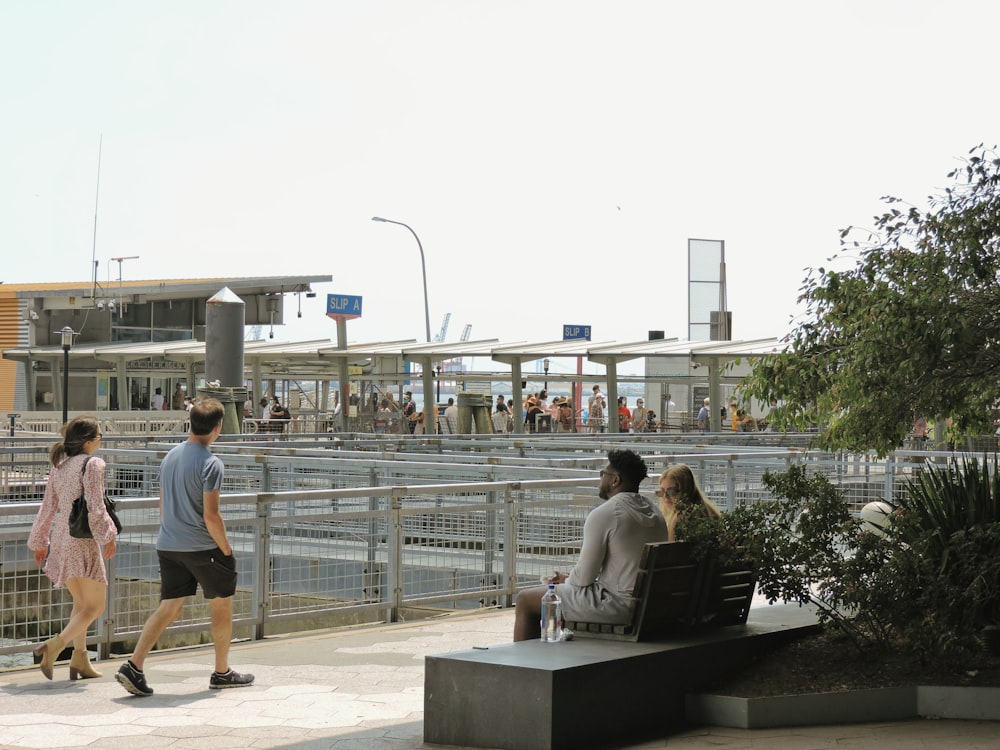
[(193, 549)]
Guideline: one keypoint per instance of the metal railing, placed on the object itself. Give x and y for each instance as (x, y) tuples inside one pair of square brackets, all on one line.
[(337, 535), (329, 556)]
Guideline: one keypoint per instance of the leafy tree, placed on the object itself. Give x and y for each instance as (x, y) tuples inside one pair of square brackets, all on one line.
[(911, 329)]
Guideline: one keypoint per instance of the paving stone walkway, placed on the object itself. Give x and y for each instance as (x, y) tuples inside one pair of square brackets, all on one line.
[(359, 689)]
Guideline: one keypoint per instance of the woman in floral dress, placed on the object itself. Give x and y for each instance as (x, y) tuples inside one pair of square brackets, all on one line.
[(75, 564)]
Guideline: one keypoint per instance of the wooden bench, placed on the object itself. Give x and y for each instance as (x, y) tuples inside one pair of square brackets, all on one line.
[(674, 594)]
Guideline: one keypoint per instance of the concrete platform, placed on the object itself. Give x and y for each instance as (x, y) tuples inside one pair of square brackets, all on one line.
[(350, 690), (470, 696)]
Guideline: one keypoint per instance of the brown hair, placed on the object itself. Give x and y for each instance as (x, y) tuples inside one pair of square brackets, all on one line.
[(206, 415), (76, 433)]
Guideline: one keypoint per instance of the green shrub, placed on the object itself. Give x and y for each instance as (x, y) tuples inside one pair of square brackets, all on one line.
[(929, 585), (950, 558)]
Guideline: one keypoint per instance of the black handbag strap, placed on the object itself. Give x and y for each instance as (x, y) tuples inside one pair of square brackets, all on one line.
[(83, 473)]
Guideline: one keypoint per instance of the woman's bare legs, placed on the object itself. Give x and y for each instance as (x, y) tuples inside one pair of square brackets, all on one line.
[(89, 600)]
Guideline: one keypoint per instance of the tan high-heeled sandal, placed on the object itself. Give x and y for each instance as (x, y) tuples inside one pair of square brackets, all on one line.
[(47, 653), (80, 666)]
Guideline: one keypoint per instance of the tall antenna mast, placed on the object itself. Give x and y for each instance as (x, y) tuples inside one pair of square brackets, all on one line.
[(97, 195)]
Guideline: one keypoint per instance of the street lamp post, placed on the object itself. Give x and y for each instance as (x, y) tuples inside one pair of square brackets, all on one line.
[(67, 344), (423, 268), (545, 366), (437, 369)]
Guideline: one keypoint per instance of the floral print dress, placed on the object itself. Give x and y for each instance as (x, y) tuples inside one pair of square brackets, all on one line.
[(68, 556)]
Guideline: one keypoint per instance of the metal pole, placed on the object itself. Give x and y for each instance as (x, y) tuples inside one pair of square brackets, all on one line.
[(67, 343), (65, 384), (423, 268)]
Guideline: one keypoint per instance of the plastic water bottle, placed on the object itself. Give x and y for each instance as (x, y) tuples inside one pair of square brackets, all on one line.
[(551, 616)]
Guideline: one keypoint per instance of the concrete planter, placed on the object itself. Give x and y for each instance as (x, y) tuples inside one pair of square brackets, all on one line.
[(959, 703), (848, 707)]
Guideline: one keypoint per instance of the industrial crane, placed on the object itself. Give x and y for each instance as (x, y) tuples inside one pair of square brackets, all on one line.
[(444, 328)]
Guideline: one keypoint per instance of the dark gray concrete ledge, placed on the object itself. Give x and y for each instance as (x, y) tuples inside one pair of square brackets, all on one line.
[(847, 707), (587, 692)]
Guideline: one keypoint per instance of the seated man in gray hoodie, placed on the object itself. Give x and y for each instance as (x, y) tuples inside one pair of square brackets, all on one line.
[(599, 588)]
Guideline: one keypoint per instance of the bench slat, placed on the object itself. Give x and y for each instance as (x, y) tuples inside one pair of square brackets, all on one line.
[(729, 594)]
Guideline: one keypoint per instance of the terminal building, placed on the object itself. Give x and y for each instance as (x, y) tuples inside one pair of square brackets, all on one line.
[(120, 336)]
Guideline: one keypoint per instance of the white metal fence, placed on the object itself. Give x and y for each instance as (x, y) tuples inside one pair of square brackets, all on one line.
[(334, 534)]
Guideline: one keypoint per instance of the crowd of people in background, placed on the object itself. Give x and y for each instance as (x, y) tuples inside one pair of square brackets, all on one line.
[(739, 420), (538, 414)]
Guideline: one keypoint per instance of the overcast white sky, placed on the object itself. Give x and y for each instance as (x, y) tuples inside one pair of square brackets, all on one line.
[(553, 157)]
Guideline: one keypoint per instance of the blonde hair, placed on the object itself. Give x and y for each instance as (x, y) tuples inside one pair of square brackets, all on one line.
[(690, 492)]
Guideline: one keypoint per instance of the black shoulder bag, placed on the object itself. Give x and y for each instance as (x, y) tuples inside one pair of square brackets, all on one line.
[(79, 519)]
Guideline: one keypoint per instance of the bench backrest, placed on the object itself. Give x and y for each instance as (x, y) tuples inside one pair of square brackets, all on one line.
[(665, 596), (727, 594), (674, 593), (666, 590)]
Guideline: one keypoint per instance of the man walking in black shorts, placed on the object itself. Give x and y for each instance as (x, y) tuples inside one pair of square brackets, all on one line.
[(193, 549)]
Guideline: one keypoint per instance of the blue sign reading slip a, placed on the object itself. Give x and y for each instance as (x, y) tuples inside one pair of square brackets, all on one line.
[(343, 306), (576, 332)]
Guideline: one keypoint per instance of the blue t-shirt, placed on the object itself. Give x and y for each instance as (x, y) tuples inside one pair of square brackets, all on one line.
[(187, 472)]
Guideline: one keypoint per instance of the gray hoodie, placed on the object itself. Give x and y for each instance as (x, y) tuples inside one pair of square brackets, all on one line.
[(599, 588)]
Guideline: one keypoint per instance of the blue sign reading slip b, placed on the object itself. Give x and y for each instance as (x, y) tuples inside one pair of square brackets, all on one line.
[(343, 306), (576, 332)]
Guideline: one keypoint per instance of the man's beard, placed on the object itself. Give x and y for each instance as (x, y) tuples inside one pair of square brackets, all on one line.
[(603, 494)]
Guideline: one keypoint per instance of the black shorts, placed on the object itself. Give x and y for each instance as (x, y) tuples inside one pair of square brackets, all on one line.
[(181, 572)]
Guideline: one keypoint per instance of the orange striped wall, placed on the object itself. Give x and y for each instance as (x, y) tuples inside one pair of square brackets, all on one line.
[(10, 321)]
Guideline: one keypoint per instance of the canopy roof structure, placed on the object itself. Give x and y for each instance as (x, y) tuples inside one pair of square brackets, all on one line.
[(385, 360), (314, 356), (76, 295)]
